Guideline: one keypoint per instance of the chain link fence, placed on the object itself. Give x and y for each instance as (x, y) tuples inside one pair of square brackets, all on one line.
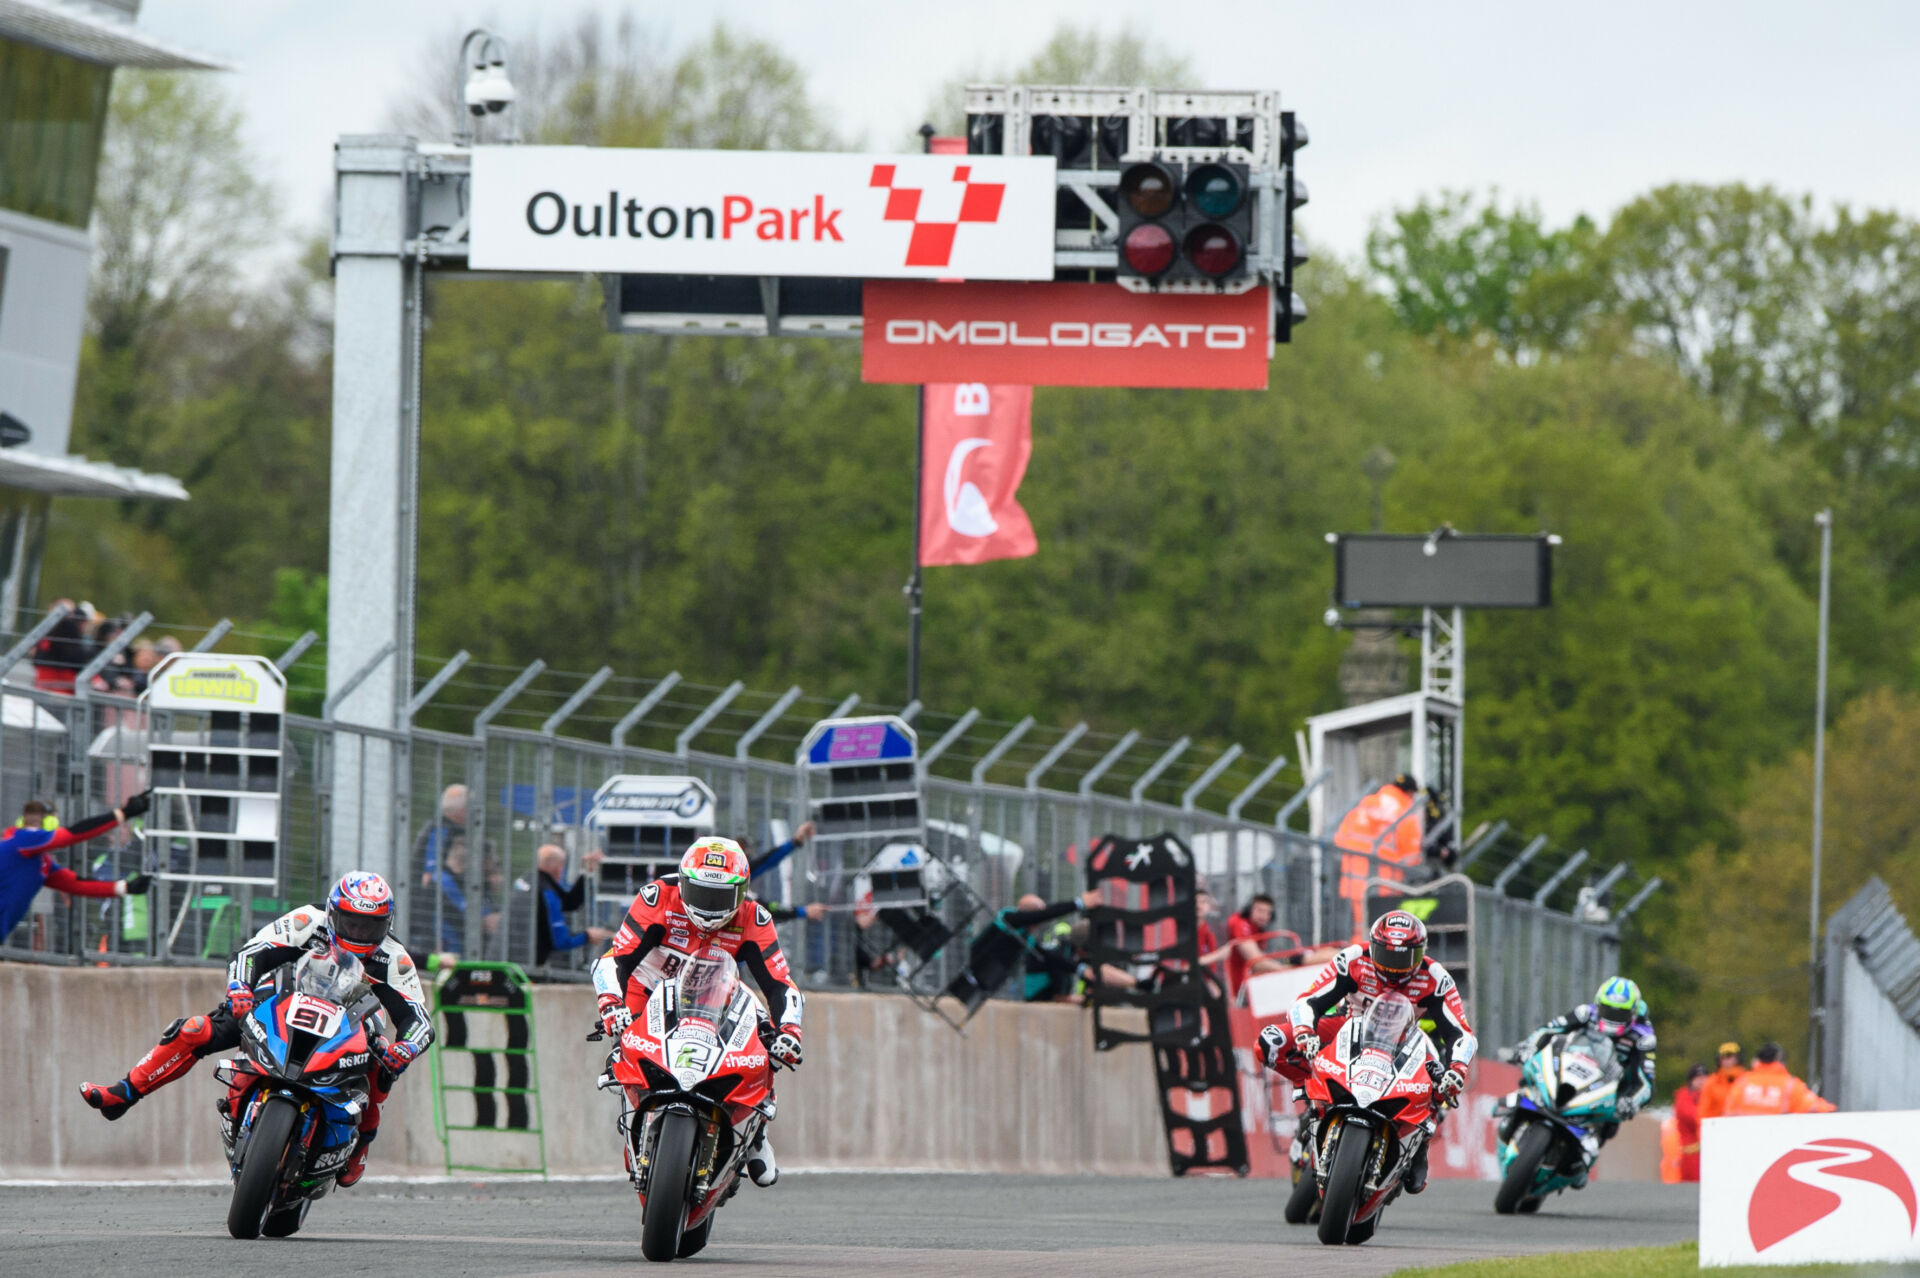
[(465, 814)]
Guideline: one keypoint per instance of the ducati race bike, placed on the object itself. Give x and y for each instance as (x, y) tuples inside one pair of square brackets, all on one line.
[(296, 1093), (1373, 1086), (1549, 1132), (696, 1089)]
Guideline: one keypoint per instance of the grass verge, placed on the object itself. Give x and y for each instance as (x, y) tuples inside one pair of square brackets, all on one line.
[(1679, 1261)]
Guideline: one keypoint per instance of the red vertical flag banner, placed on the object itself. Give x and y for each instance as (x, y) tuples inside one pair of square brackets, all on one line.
[(978, 439)]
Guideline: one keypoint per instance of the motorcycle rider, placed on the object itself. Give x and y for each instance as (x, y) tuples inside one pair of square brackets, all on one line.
[(679, 916), (357, 920), (1393, 961), (1618, 1012)]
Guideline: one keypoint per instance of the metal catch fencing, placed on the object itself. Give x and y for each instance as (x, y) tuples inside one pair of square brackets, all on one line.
[(472, 809)]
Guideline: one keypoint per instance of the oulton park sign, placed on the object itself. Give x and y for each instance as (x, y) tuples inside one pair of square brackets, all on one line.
[(767, 213)]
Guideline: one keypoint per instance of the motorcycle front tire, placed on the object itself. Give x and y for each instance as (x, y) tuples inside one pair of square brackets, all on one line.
[(1345, 1168), (664, 1220), (259, 1173), (1517, 1186)]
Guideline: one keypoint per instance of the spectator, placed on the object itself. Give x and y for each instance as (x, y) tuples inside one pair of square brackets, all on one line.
[(1246, 931), (1376, 820), (555, 900), (771, 861), (449, 883), (449, 824), (780, 913), (1204, 908), (1053, 970), (144, 658), (1767, 1088), (1686, 1117), (1713, 1096), (117, 677), (27, 864), (59, 656)]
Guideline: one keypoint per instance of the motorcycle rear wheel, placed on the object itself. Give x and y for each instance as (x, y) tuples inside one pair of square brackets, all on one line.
[(1306, 1192), (1348, 1165), (260, 1167), (664, 1219), (1535, 1143)]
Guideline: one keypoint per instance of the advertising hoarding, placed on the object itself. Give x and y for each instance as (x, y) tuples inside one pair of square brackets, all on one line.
[(762, 213)]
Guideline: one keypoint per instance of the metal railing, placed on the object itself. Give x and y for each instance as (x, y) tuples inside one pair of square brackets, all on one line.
[(468, 883)]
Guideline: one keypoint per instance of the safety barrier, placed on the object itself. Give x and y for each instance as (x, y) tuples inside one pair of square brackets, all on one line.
[(470, 888)]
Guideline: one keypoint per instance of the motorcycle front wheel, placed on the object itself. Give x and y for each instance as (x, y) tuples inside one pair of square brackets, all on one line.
[(1517, 1186), (1347, 1166), (668, 1183), (260, 1167)]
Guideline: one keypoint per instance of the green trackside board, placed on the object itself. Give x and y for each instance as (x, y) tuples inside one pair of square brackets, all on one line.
[(504, 1096)]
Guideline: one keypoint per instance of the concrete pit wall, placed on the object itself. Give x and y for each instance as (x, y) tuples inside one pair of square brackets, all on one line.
[(884, 1085)]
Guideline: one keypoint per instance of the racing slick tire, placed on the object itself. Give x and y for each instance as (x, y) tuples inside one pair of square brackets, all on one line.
[(1344, 1170), (1517, 1185), (693, 1240), (1306, 1192), (259, 1173), (664, 1218)]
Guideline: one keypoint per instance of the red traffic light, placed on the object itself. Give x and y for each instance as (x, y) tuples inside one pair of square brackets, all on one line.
[(1148, 189), (1148, 249), (1213, 250)]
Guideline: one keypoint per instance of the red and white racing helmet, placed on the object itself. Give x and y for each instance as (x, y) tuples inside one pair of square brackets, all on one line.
[(713, 882), (1397, 945)]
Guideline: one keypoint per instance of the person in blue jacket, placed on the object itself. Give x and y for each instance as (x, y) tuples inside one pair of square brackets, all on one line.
[(27, 864), (556, 901)]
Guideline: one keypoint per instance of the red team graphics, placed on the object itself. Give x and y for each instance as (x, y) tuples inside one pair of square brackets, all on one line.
[(1805, 1186), (1062, 335), (932, 241), (978, 441)]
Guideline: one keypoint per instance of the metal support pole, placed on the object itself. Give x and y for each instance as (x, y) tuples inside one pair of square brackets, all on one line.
[(354, 680), (83, 682), (31, 640), (915, 580), (1212, 774), (501, 702), (953, 734), (1292, 805), (908, 712), (572, 704), (440, 680), (1638, 899), (1487, 839), (1611, 877), (1259, 783), (1107, 761), (213, 636), (631, 718), (845, 708), (285, 660), (767, 720), (1000, 747), (1560, 876), (1160, 765), (684, 742), (1519, 863), (1815, 1012), (1052, 756)]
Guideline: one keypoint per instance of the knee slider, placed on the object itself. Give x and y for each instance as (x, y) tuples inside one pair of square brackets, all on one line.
[(172, 1031)]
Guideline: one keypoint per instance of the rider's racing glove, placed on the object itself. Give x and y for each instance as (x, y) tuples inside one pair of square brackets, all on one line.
[(1306, 1044), (1272, 1039), (1451, 1084), (239, 997), (1625, 1108), (614, 1016), (399, 1055), (786, 1048)]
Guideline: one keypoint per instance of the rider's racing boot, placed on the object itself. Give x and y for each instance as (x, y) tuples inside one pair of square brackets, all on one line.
[(111, 1099), (760, 1163), (356, 1162), (1416, 1178)]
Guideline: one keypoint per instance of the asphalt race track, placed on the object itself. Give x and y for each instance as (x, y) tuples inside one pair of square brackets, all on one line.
[(842, 1225)]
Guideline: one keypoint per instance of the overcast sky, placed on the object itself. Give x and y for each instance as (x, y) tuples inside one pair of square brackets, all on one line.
[(1575, 106)]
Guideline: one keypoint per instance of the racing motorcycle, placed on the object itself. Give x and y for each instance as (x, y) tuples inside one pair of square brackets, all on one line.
[(696, 1087), (1374, 1088), (1549, 1130), (296, 1093)]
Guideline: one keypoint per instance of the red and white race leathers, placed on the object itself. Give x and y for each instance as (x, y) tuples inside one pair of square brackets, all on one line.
[(657, 936), (1351, 975)]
